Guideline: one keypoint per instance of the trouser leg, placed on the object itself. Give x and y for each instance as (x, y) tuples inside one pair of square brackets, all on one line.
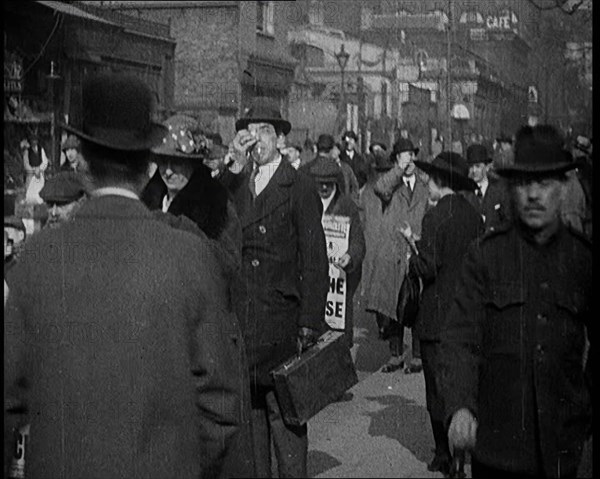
[(261, 435), (291, 442)]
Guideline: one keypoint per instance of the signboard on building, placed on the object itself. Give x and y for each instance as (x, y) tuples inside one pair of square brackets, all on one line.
[(13, 73)]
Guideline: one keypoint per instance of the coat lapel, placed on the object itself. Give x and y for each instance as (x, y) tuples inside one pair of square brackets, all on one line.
[(275, 193)]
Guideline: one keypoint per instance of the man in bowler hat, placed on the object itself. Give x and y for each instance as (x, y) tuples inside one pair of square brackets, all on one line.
[(489, 199), (283, 282), (518, 381), (120, 350)]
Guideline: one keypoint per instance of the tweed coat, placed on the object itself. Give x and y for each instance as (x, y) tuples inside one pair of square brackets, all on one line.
[(343, 205), (122, 350), (515, 349), (448, 228), (388, 247), (494, 207), (284, 276)]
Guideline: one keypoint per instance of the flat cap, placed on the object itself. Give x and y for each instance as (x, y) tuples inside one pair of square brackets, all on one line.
[(64, 187)]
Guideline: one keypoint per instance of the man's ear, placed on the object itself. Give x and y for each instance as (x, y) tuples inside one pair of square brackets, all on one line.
[(152, 167)]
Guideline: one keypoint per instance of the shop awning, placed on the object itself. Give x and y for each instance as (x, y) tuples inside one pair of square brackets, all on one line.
[(69, 9)]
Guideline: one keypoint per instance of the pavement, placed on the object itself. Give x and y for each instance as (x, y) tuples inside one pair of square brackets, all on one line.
[(382, 429)]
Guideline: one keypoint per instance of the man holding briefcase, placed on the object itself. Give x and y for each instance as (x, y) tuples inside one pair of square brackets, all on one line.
[(283, 282)]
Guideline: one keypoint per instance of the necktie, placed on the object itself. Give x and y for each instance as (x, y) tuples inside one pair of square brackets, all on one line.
[(252, 182), (408, 186)]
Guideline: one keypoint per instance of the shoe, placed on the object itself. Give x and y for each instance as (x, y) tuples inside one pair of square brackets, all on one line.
[(441, 464), (392, 366)]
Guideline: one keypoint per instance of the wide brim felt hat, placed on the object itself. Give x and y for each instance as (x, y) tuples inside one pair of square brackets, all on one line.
[(64, 187), (403, 145), (116, 112), (184, 139), (452, 167), (537, 158), (478, 154), (264, 110)]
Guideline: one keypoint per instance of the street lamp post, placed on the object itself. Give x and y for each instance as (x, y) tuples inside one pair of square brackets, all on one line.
[(342, 58)]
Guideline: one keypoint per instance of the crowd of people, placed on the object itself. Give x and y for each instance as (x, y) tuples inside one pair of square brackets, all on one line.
[(175, 273)]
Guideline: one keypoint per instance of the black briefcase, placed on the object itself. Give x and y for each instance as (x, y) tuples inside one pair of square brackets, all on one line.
[(307, 383)]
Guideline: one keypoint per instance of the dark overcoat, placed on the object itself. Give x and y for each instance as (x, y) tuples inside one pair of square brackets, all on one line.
[(121, 350), (515, 348), (284, 275), (447, 230), (494, 206), (359, 166), (343, 205)]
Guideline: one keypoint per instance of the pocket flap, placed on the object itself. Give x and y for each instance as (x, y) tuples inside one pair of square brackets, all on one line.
[(503, 295)]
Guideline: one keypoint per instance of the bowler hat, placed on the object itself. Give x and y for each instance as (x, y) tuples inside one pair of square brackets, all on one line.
[(377, 141), (538, 152), (477, 154), (325, 142), (403, 144), (264, 110), (504, 138), (117, 113), (350, 134), (325, 170), (64, 187), (184, 139), (452, 167), (71, 142)]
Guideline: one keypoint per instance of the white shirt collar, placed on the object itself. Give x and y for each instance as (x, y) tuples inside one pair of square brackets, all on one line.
[(114, 190), (483, 185), (265, 173), (350, 153), (410, 179), (327, 201), (166, 203)]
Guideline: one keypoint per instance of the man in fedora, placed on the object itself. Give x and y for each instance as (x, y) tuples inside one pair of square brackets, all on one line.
[(352, 157), (283, 282), (403, 198), (120, 350), (447, 230), (518, 381), (489, 199)]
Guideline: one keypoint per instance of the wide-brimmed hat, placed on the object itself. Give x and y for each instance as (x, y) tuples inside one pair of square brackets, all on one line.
[(264, 110), (116, 112), (452, 167), (183, 140), (71, 142), (64, 187), (538, 152), (325, 170), (325, 142), (477, 154), (403, 144)]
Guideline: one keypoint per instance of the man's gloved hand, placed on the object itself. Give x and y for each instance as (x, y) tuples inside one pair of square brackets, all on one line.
[(306, 338)]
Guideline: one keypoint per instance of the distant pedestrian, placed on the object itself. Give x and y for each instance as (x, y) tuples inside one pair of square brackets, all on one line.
[(72, 151), (63, 194), (518, 381), (351, 156), (447, 230)]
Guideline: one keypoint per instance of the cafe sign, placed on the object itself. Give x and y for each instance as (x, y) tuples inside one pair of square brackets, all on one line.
[(505, 21), (13, 73)]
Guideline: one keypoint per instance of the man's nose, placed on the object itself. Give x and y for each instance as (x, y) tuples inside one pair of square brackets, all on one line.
[(533, 190), (54, 210)]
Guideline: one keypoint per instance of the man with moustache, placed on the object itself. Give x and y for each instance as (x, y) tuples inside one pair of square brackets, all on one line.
[(284, 279), (517, 377)]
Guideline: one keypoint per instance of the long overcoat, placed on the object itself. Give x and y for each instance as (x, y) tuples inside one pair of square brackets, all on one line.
[(391, 203), (448, 228), (121, 350), (284, 276), (515, 349)]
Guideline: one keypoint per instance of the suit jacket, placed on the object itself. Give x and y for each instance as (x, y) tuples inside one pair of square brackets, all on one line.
[(359, 166), (448, 228), (494, 207), (121, 350), (284, 276), (514, 350)]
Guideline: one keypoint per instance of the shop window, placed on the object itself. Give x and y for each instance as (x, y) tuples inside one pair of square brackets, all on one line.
[(265, 17)]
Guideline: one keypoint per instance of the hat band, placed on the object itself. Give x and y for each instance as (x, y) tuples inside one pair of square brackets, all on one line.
[(539, 157), (117, 135)]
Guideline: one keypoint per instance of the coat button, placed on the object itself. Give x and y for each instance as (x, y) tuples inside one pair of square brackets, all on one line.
[(255, 262), (262, 229)]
